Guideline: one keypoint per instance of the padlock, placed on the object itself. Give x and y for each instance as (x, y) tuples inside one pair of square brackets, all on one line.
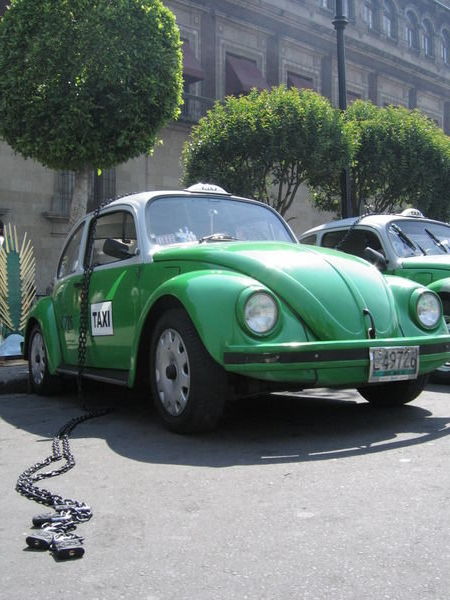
[(41, 540), (67, 548)]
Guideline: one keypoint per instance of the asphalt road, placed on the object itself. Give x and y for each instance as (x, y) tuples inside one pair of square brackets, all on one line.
[(313, 497)]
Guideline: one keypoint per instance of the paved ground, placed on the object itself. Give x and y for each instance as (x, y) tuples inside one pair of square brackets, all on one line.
[(317, 497)]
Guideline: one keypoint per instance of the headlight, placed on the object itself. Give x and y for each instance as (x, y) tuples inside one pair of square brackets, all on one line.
[(428, 309), (260, 312)]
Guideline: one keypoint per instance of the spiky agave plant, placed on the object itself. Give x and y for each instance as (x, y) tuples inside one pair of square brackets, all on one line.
[(17, 281)]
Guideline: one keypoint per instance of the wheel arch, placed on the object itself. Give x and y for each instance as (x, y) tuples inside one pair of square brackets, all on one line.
[(43, 315), (208, 299)]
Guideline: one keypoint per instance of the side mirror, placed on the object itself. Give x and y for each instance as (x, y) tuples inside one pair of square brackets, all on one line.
[(376, 258), (116, 249)]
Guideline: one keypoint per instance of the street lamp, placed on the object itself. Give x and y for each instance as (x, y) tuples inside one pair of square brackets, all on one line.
[(340, 21)]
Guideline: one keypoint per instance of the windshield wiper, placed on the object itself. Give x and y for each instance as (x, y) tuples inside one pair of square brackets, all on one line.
[(217, 237), (408, 241), (436, 240)]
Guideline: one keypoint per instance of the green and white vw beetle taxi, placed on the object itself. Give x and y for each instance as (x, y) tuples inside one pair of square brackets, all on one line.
[(201, 296)]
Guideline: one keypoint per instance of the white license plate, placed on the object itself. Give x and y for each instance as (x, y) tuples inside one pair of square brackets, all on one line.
[(393, 364)]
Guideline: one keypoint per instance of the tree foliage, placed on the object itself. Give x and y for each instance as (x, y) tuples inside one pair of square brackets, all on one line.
[(264, 145), (401, 159), (87, 83)]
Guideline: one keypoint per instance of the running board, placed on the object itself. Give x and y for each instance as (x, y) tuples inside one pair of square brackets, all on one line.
[(115, 376)]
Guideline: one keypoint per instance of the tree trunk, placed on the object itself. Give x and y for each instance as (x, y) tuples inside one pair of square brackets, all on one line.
[(80, 196)]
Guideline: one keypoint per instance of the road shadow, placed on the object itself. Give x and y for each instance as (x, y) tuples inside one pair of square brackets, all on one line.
[(313, 425)]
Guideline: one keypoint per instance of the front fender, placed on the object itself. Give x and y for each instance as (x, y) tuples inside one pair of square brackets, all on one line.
[(402, 289), (43, 313), (441, 286), (211, 299)]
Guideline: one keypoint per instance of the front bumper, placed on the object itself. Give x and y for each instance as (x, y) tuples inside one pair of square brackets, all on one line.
[(336, 363)]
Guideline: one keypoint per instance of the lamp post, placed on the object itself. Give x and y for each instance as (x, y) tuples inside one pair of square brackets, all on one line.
[(340, 21)]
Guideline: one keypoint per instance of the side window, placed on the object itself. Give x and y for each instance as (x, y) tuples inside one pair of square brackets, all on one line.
[(355, 243), (310, 239), (118, 226), (69, 260)]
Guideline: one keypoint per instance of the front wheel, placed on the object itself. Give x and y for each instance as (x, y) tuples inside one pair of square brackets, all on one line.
[(189, 388), (42, 382), (394, 393)]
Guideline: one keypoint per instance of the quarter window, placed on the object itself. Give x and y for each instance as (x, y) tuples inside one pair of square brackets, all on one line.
[(69, 260), (310, 239)]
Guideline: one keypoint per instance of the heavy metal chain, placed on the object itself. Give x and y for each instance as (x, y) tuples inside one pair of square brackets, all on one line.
[(84, 297), (55, 531), (348, 233)]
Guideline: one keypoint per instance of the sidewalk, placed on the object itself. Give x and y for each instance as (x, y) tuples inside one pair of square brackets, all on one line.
[(13, 376)]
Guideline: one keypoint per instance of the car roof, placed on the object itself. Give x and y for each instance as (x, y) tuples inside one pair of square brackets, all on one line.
[(196, 190), (375, 221)]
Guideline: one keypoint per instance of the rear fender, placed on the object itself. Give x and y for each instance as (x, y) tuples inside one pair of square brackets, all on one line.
[(43, 314)]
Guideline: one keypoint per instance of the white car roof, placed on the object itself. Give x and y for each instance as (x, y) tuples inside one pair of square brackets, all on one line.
[(375, 221)]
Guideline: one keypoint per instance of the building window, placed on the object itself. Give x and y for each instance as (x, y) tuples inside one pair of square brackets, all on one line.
[(192, 69), (389, 20), (370, 14), (427, 38), (102, 188), (348, 8), (63, 191), (241, 75), (328, 4), (412, 31), (445, 47), (299, 81)]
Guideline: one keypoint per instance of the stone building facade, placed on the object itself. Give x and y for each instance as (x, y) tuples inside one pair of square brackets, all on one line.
[(397, 52)]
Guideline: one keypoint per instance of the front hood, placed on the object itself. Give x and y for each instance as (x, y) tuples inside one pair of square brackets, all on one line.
[(438, 261), (328, 290)]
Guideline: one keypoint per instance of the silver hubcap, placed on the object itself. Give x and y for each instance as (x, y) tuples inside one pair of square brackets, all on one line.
[(172, 372), (37, 358)]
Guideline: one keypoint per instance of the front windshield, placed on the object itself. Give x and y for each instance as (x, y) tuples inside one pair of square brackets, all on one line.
[(179, 219), (418, 237)]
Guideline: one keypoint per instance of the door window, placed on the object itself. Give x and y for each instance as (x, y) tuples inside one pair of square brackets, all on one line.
[(353, 242), (118, 226)]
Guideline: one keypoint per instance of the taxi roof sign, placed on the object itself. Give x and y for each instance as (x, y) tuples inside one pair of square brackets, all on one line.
[(206, 188), (412, 212)]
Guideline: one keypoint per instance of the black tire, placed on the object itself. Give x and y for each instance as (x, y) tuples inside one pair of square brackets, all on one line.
[(41, 381), (394, 393), (442, 375), (189, 388)]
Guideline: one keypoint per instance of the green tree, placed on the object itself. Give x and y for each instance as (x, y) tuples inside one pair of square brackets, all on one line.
[(401, 159), (86, 84), (266, 144)]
